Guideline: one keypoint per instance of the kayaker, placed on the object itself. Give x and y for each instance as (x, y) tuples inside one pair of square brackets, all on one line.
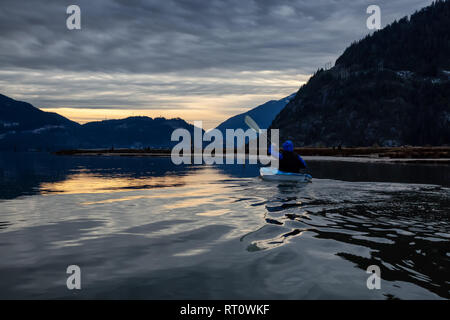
[(289, 160)]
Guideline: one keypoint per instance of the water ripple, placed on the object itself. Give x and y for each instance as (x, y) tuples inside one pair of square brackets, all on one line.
[(220, 232)]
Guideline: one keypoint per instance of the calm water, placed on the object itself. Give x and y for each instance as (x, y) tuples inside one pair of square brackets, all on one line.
[(144, 228)]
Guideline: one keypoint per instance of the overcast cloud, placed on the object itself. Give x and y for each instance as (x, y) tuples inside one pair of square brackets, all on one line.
[(174, 56)]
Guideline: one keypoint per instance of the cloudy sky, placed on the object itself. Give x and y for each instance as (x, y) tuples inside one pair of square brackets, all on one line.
[(196, 59)]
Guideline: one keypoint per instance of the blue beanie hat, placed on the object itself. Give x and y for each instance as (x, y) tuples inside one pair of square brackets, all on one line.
[(288, 145)]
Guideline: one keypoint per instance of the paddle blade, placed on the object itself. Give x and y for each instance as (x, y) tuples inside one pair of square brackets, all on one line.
[(251, 123)]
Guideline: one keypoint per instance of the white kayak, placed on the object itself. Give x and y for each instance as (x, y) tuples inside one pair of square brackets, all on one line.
[(273, 174)]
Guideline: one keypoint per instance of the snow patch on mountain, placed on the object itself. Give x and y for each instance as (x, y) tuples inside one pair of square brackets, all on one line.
[(46, 128)]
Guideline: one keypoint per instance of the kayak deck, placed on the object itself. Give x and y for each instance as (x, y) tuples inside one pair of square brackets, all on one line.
[(273, 174)]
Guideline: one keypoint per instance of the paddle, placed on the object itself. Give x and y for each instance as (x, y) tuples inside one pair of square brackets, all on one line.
[(254, 126)]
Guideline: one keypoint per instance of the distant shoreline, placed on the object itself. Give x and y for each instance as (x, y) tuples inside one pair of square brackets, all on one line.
[(115, 152), (438, 155)]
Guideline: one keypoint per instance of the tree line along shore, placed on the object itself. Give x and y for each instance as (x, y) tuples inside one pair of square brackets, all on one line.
[(405, 152)]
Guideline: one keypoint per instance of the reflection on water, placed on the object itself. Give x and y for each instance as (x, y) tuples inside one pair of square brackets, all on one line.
[(406, 231), (144, 228), (94, 183)]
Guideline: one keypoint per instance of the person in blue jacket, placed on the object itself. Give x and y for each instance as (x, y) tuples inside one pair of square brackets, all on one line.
[(289, 160)]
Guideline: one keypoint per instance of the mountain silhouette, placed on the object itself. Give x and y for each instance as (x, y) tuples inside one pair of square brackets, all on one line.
[(391, 88), (24, 127), (263, 115)]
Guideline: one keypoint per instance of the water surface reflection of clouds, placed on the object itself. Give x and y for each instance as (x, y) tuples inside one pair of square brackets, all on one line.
[(143, 228)]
